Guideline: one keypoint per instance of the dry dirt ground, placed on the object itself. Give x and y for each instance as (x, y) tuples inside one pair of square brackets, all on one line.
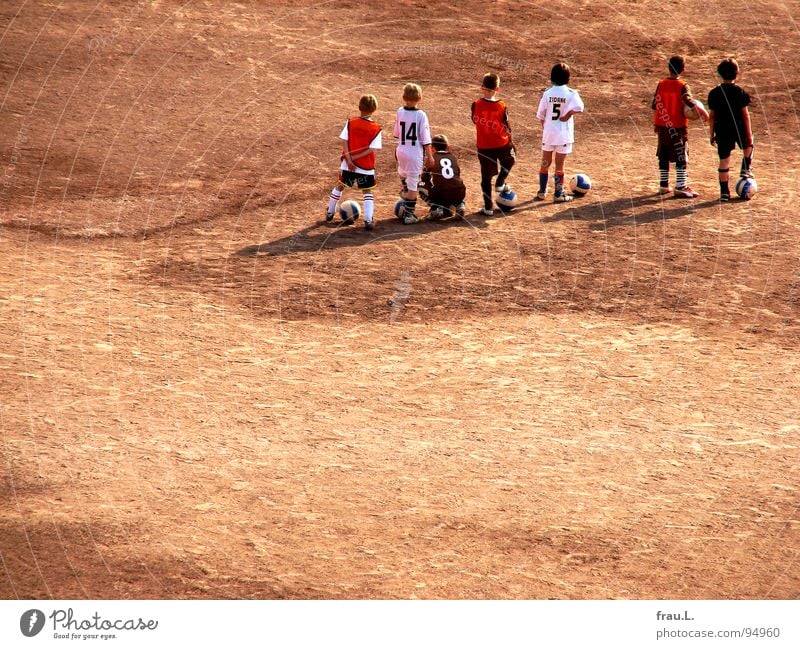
[(208, 393)]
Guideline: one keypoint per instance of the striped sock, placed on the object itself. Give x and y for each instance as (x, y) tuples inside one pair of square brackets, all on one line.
[(411, 207), (369, 206), (663, 177), (681, 177), (336, 194), (544, 176)]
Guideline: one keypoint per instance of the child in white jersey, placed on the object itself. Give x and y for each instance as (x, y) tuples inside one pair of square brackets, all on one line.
[(556, 109), (414, 151)]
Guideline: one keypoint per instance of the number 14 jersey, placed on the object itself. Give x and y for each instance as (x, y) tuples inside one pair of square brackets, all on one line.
[(412, 131), (555, 102)]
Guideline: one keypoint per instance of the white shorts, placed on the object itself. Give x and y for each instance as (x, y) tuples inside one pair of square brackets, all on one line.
[(409, 168), (558, 148)]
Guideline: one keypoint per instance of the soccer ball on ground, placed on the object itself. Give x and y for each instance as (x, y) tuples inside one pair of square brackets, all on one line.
[(746, 188), (691, 113), (580, 184), (507, 200), (400, 209), (349, 211)]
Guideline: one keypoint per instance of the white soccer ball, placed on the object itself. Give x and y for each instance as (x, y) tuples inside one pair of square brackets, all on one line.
[(691, 113), (507, 200), (746, 188), (580, 184), (349, 211)]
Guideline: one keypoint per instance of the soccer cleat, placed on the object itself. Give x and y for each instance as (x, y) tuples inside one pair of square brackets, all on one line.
[(540, 196), (460, 209), (502, 189), (369, 225), (486, 211), (685, 192), (435, 214), (746, 173), (664, 190), (328, 216), (562, 198), (724, 198), (410, 219)]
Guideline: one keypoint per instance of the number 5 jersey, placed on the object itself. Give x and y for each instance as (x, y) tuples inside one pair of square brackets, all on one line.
[(555, 102)]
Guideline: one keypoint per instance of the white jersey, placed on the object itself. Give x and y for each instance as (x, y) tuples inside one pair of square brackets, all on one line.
[(375, 144), (555, 102), (412, 132)]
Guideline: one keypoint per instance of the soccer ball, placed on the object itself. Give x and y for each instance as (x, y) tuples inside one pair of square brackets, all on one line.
[(746, 188), (349, 211), (507, 200), (400, 209), (691, 113), (580, 184)]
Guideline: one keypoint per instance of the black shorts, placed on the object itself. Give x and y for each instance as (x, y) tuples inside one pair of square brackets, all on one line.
[(727, 142), (490, 158), (672, 143), (447, 196), (357, 180)]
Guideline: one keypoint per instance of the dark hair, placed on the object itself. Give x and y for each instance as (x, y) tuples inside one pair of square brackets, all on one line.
[(559, 75), (440, 142), (490, 81), (728, 69), (676, 65)]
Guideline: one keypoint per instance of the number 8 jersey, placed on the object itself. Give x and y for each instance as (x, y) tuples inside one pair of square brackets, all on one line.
[(555, 102), (412, 131)]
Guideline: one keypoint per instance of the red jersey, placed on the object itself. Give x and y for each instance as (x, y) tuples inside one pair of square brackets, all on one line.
[(361, 133), (491, 123), (668, 103)]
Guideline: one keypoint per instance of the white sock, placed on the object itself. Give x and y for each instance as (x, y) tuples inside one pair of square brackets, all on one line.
[(336, 194), (681, 177), (369, 206)]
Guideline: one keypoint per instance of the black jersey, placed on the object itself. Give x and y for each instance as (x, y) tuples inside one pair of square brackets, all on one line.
[(446, 174), (727, 101), (443, 183)]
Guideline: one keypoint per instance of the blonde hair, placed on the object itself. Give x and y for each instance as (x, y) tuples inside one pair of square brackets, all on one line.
[(368, 104), (412, 92)]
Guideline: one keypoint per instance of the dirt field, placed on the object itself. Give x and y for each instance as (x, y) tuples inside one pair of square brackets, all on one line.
[(209, 393)]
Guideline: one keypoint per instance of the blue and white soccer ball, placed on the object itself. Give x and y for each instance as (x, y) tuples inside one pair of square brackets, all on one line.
[(580, 184), (746, 188), (400, 209), (507, 200), (349, 211)]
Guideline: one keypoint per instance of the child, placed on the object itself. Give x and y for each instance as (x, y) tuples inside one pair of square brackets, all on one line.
[(413, 134), (442, 187), (556, 110), (362, 138), (490, 116), (671, 96), (729, 123)]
